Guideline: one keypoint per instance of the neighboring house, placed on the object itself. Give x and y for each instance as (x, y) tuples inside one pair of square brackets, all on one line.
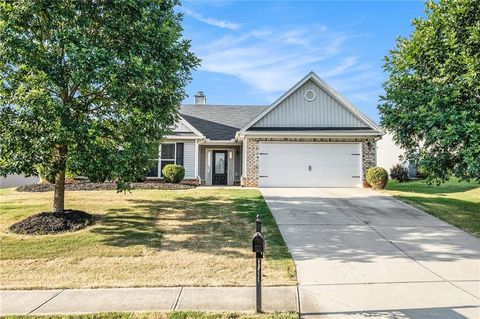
[(390, 154), (16, 180), (310, 137)]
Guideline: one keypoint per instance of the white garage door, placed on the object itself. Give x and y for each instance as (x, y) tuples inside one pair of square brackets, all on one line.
[(310, 165)]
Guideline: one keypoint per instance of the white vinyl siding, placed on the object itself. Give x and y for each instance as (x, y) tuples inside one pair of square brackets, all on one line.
[(323, 111), (15, 180), (189, 158), (310, 165)]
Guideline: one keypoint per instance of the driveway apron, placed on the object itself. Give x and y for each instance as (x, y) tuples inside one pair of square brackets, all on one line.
[(363, 254)]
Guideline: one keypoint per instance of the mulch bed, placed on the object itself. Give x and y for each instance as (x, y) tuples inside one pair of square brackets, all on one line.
[(87, 186), (51, 223)]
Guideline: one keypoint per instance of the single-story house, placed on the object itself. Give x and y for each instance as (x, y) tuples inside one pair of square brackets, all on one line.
[(309, 137)]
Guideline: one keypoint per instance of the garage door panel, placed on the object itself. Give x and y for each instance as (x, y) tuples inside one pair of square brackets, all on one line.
[(309, 165)]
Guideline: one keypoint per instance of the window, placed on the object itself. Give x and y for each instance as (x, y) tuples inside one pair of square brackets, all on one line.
[(310, 95), (219, 163), (169, 153)]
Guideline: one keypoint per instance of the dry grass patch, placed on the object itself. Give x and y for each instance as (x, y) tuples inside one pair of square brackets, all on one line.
[(196, 237)]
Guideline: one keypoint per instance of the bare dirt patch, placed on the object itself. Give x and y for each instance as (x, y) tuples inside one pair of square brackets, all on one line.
[(51, 223)]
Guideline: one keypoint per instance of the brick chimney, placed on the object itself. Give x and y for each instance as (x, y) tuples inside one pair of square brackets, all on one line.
[(200, 98)]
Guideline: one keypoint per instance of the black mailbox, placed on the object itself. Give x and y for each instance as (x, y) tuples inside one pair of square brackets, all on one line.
[(258, 247), (258, 243)]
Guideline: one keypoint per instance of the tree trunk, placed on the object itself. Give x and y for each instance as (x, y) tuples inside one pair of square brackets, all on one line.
[(59, 196)]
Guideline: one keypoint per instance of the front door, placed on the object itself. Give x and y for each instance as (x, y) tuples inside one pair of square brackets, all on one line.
[(219, 174)]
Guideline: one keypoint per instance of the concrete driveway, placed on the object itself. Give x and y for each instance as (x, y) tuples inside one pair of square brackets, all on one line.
[(363, 254)]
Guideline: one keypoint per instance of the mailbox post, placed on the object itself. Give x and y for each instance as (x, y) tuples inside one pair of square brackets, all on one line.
[(258, 247)]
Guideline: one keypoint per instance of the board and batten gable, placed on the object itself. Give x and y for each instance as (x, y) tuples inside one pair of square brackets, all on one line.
[(322, 112), (180, 127)]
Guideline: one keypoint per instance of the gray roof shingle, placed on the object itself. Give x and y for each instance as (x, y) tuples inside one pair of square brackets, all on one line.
[(220, 122)]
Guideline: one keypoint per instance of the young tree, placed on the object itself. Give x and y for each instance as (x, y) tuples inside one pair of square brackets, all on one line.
[(88, 86), (432, 94)]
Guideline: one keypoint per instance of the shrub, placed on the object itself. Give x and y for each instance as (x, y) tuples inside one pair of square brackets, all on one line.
[(45, 175), (377, 177), (399, 173), (49, 177), (173, 173), (421, 172), (70, 175)]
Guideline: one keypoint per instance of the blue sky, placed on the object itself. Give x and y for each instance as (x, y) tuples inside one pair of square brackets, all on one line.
[(253, 51)]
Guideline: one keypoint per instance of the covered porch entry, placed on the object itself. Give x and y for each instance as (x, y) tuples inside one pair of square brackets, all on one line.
[(220, 164)]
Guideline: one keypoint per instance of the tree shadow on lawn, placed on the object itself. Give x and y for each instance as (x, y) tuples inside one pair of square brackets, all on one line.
[(421, 187), (217, 225), (124, 227)]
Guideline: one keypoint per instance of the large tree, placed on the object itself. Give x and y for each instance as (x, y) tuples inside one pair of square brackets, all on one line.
[(432, 94), (88, 86)]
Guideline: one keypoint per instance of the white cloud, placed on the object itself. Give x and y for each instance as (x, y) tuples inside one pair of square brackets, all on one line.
[(211, 21), (272, 60)]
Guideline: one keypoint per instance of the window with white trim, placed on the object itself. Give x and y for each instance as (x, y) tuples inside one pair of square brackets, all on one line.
[(169, 153)]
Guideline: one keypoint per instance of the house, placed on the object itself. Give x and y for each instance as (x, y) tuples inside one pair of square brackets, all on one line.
[(16, 180), (309, 137), (390, 154)]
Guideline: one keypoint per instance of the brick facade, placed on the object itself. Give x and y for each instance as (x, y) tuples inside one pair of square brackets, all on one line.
[(250, 176)]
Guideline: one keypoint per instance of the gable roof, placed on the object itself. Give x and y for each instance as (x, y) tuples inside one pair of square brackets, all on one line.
[(219, 122), (183, 126), (342, 102)]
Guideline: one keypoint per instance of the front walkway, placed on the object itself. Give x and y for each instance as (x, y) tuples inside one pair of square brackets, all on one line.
[(75, 301), (363, 254)]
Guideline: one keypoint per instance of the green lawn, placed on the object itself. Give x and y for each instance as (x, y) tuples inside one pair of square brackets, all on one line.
[(454, 202), (167, 315), (195, 237)]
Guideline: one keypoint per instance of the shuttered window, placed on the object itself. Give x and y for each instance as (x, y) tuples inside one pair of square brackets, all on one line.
[(179, 154), (170, 153)]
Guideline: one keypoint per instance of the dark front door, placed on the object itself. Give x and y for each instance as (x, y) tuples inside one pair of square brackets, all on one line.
[(219, 174)]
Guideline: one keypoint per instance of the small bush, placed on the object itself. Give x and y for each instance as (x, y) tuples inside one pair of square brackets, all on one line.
[(399, 173), (49, 176), (45, 175), (421, 172), (70, 175), (377, 177), (173, 173)]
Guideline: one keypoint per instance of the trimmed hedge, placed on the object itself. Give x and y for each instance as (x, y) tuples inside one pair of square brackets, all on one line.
[(173, 173), (399, 173), (377, 177)]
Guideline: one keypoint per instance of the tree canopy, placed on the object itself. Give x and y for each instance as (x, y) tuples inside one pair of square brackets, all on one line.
[(89, 86), (432, 94)]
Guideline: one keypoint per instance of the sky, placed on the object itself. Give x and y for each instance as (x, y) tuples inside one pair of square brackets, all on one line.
[(254, 51)]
